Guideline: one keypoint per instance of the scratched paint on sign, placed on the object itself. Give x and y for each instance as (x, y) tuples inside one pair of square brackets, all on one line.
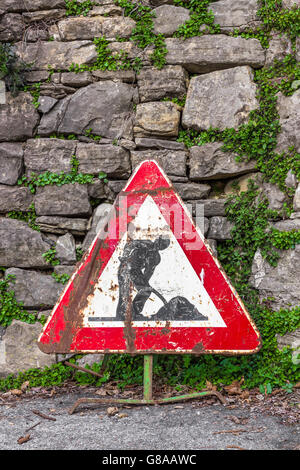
[(174, 292)]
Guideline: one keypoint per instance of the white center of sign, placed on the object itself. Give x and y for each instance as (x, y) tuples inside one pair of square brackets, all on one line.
[(173, 284)]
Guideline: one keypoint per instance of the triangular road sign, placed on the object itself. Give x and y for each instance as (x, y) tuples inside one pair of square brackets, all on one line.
[(149, 284)]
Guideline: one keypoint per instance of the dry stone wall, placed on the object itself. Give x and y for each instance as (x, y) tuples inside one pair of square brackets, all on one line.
[(105, 122)]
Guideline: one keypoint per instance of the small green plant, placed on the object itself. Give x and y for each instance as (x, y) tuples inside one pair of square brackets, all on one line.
[(180, 102), (12, 69), (34, 90), (59, 179), (10, 308), (79, 253), (88, 133), (50, 257), (61, 278), (200, 16), (29, 217), (77, 8)]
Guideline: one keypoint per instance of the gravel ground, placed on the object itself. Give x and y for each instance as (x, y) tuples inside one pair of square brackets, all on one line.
[(203, 424)]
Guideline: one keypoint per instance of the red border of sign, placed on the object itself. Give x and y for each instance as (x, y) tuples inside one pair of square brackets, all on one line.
[(239, 337)]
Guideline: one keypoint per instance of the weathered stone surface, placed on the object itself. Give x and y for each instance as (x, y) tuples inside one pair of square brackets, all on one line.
[(275, 197), (173, 162), (11, 27), (42, 4), (44, 15), (290, 180), (232, 14), (208, 53), (48, 155), (56, 90), (100, 218), (280, 282), (279, 47), (127, 76), (157, 119), (20, 246), (220, 99), (168, 18), (289, 3), (239, 185), (58, 55), (61, 225), (220, 228), (64, 269), (20, 351), (291, 340), (155, 84), (96, 189), (111, 159), (11, 162), (106, 10), (34, 289), (66, 249), (36, 34), (211, 207), (14, 198), (94, 26), (118, 26), (51, 120), (289, 112), (36, 76), (192, 190), (65, 200), (296, 201), (114, 187), (46, 104), (18, 117), (76, 80), (103, 107), (287, 225), (159, 144), (131, 51), (210, 162)]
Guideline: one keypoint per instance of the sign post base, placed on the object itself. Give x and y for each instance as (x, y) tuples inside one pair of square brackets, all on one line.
[(148, 399)]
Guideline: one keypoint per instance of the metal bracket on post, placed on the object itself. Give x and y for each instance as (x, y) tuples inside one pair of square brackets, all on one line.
[(148, 399)]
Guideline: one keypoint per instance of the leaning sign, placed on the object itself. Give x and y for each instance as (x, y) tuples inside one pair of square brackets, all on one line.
[(149, 284)]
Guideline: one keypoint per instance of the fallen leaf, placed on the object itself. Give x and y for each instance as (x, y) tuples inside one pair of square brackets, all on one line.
[(16, 392), (122, 415), (112, 410), (101, 392), (245, 394), (210, 386), (23, 439), (24, 385), (234, 388)]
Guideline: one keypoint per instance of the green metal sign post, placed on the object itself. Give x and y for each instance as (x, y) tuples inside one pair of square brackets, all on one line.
[(148, 398)]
